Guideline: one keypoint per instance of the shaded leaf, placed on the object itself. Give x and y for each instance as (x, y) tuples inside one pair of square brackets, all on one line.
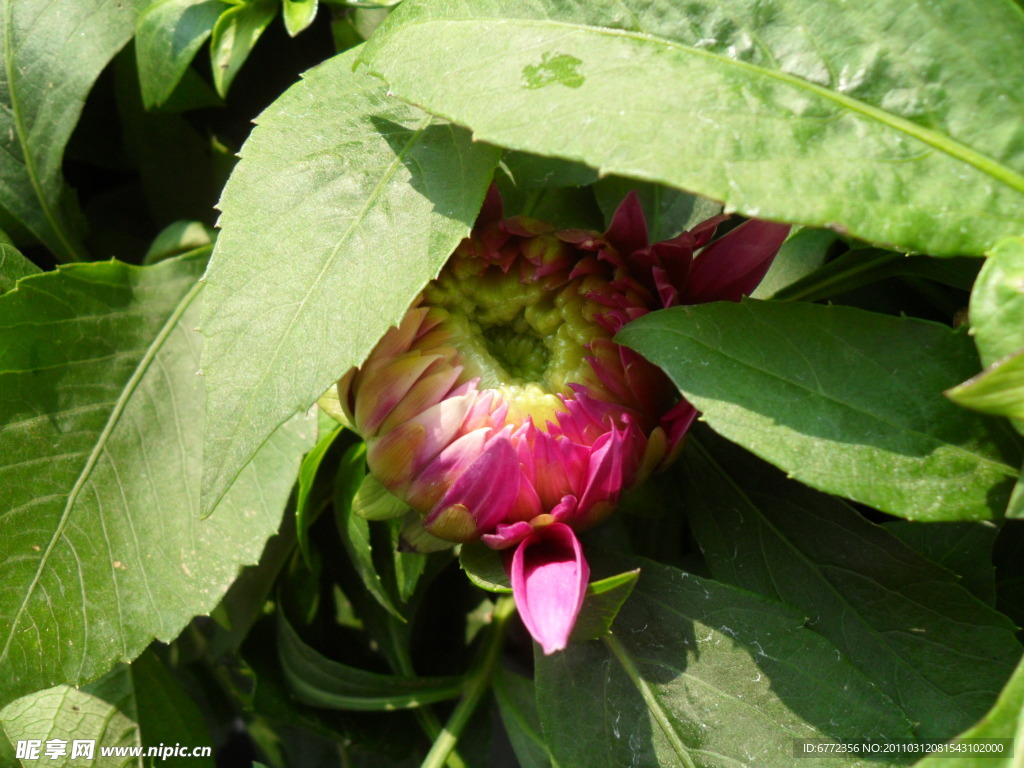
[(167, 36), (963, 548), (906, 624), (518, 708), (43, 44), (603, 601), (355, 531), (700, 674), (866, 266), (324, 683), (844, 400), (803, 254), (305, 515), (865, 119), (100, 457), (344, 205), (1004, 721)]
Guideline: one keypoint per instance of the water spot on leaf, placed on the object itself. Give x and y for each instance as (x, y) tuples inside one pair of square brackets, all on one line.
[(553, 68)]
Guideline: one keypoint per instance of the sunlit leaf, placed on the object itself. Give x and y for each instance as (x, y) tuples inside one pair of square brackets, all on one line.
[(871, 119), (344, 205), (100, 457), (844, 400)]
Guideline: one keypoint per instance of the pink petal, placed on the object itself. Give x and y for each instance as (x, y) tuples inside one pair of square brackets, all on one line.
[(549, 579), (733, 265), (506, 535), (628, 230), (481, 496)]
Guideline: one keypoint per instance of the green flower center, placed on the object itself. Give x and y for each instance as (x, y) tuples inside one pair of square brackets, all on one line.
[(519, 339), (518, 349)]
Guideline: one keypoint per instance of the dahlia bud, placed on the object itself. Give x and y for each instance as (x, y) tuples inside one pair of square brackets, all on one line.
[(501, 409)]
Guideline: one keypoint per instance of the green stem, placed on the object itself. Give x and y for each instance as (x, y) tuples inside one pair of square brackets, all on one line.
[(477, 683), (424, 715)]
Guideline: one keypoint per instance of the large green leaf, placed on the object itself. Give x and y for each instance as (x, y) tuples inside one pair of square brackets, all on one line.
[(888, 120), (1004, 721), (100, 459), (132, 707), (701, 674), (907, 624), (844, 400), (344, 205), (52, 53)]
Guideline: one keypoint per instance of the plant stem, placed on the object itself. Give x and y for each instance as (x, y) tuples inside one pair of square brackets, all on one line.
[(477, 683)]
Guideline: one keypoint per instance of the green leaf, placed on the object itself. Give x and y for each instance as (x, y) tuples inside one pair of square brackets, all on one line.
[(602, 603), (963, 548), (536, 172), (135, 706), (298, 14), (517, 705), (844, 400), (355, 531), (905, 623), (1015, 509), (865, 266), (997, 302), (668, 211), (344, 205), (484, 568), (305, 515), (100, 458), (998, 390), (317, 680), (375, 502), (865, 119), (234, 36), (1004, 721), (697, 673), (167, 36), (13, 266), (803, 254), (52, 54), (179, 237)]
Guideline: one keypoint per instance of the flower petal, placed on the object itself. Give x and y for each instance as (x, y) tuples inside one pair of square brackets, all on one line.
[(733, 265), (481, 496), (549, 579)]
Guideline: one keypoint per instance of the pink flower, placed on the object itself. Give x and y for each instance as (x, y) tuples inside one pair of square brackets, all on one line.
[(501, 409)]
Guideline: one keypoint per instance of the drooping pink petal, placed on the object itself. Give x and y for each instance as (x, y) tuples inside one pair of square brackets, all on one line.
[(549, 579), (733, 265)]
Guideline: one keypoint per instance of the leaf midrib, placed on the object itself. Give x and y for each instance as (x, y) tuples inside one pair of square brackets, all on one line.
[(19, 128), (94, 455), (357, 220), (1004, 468), (941, 142)]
